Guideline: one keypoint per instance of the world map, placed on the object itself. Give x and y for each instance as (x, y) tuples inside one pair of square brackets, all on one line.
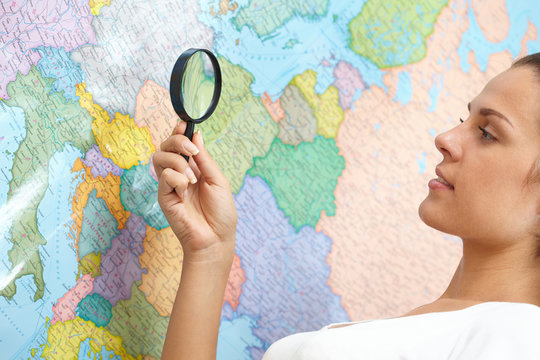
[(325, 129)]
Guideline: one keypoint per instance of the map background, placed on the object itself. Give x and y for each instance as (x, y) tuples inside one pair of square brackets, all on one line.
[(361, 252)]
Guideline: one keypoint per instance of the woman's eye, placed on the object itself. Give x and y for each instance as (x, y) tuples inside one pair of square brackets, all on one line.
[(485, 134)]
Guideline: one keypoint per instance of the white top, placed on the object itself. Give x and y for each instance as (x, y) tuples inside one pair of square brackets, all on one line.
[(489, 330)]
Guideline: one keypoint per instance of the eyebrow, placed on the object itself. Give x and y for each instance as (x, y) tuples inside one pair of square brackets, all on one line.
[(488, 111)]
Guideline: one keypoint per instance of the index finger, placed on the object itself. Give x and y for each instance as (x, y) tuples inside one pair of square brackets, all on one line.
[(180, 128)]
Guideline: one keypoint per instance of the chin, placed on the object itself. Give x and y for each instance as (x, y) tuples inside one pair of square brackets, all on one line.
[(433, 217)]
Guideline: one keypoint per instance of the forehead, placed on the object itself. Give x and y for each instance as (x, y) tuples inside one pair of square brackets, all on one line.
[(514, 93)]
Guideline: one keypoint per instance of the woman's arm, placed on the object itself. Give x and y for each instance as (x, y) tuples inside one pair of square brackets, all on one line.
[(193, 328), (197, 201)]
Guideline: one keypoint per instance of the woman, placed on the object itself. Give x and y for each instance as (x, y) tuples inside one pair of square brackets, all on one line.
[(487, 193)]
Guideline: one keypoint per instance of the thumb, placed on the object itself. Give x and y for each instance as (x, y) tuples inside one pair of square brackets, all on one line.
[(208, 167)]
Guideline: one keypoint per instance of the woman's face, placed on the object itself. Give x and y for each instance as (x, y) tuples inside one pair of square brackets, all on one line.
[(490, 202)]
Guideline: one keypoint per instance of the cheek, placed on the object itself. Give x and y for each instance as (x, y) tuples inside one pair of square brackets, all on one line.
[(491, 189)]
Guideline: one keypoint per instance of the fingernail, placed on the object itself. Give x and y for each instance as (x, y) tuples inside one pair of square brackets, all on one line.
[(191, 175), (190, 147)]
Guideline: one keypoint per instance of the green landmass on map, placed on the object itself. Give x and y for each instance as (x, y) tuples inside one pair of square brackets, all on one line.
[(90, 264), (394, 33), (290, 44), (98, 228), (51, 122), (139, 324), (240, 128), (265, 16), (302, 178)]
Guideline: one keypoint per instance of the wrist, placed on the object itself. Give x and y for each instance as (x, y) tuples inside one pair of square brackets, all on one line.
[(218, 255)]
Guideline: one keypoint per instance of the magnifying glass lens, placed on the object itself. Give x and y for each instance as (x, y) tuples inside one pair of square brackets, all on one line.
[(198, 84)]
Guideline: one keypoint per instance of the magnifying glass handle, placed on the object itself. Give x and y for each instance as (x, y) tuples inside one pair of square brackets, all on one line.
[(189, 134)]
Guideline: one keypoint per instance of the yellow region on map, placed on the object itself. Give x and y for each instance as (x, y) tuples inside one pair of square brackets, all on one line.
[(120, 139), (162, 257), (96, 5), (325, 107), (90, 265), (62, 343), (107, 188)]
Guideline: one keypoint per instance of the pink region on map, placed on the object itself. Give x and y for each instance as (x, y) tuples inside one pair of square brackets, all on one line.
[(99, 165), (234, 285), (120, 266), (348, 81), (151, 169), (26, 25), (65, 308)]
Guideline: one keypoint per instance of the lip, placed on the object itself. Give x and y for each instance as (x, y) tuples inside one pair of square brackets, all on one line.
[(434, 183)]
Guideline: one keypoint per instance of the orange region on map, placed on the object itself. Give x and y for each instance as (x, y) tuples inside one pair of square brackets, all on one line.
[(162, 257), (96, 5), (385, 261), (274, 108), (492, 17), (233, 290), (65, 338), (154, 110), (107, 188), (530, 35), (66, 306), (119, 139), (224, 7)]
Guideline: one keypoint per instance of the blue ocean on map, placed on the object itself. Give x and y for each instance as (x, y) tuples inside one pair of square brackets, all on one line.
[(86, 352), (57, 64), (236, 337), (12, 123), (59, 259), (319, 44), (13, 127), (520, 13)]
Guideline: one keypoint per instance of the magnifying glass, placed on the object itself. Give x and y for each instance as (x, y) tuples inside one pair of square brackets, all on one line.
[(195, 87)]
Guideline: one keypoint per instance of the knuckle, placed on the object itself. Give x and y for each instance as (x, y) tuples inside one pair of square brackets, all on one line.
[(157, 157), (184, 181), (163, 145), (166, 173)]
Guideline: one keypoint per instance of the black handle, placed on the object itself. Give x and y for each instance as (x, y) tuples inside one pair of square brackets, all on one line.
[(189, 134)]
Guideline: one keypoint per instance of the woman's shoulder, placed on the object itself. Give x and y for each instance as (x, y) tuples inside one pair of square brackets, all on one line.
[(451, 305)]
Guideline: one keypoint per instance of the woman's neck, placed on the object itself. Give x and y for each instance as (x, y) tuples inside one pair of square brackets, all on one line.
[(509, 275)]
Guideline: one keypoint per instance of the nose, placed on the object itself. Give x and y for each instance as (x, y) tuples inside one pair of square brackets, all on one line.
[(448, 143)]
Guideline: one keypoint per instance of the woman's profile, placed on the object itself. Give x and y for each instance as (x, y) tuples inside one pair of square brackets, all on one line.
[(487, 192)]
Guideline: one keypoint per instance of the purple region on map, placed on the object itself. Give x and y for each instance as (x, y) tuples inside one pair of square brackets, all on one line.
[(26, 25), (100, 165), (256, 353), (286, 272), (120, 266), (348, 82)]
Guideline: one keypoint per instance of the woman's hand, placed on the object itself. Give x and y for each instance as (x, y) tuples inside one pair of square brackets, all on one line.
[(202, 214), (196, 198)]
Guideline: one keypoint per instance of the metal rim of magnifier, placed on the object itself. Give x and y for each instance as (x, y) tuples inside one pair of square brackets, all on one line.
[(175, 89)]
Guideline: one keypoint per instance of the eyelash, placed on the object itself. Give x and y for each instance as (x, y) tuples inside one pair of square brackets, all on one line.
[(484, 132)]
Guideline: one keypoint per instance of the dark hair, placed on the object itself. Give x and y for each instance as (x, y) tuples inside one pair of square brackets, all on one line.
[(532, 60)]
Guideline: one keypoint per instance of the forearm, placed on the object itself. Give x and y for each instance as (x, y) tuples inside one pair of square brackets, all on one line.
[(194, 324)]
